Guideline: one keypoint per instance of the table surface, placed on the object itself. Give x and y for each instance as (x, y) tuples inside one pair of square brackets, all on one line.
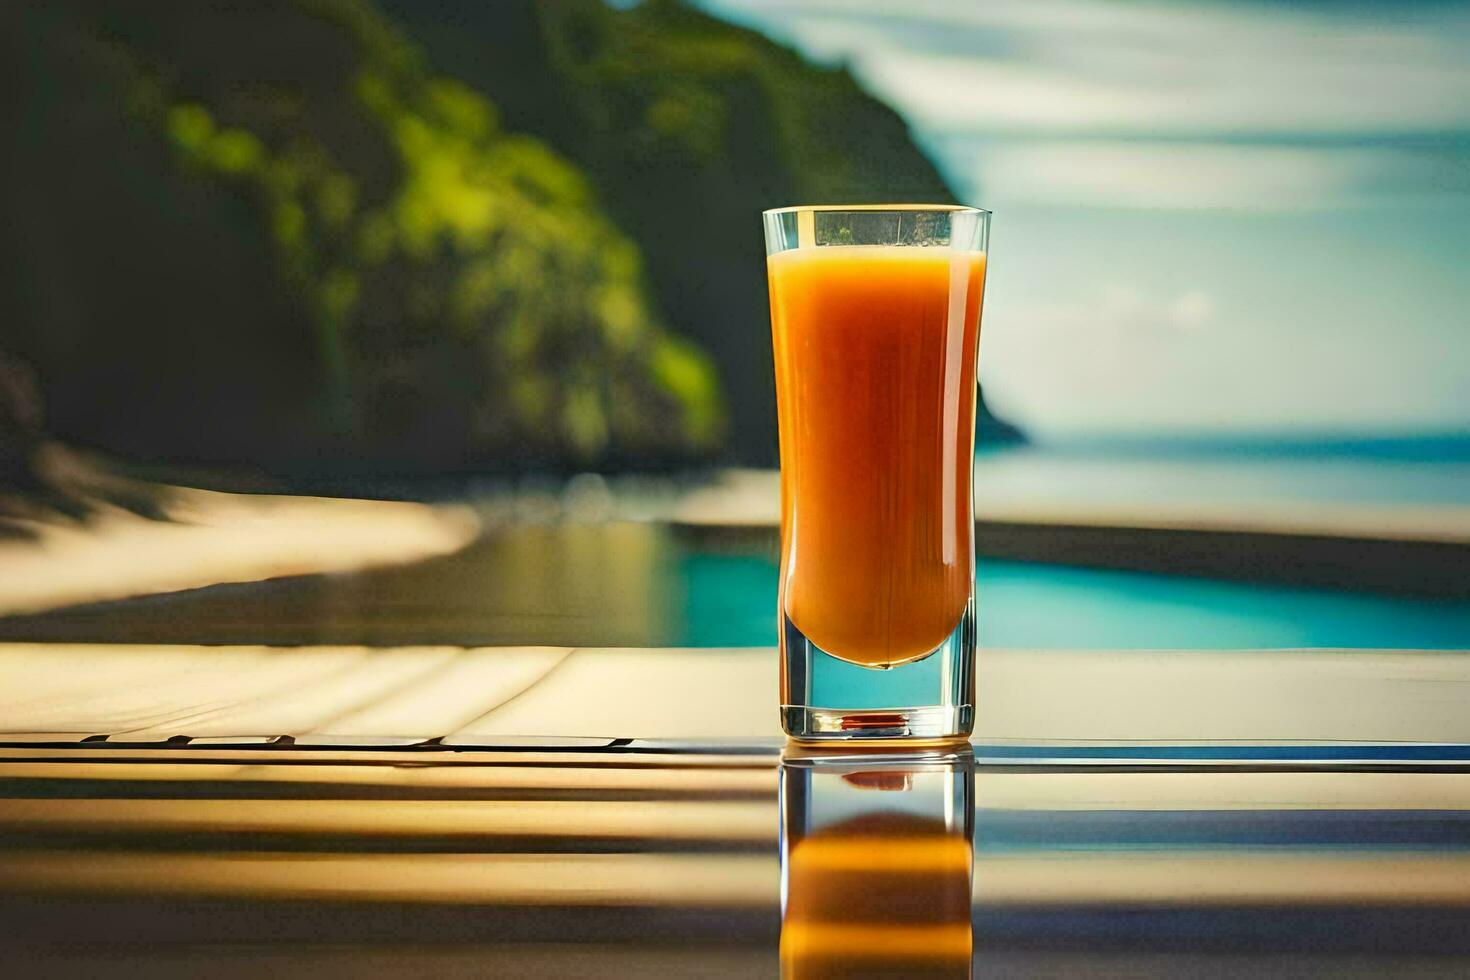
[(171, 810), (489, 696)]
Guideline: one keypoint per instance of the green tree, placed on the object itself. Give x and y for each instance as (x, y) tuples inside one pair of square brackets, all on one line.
[(691, 126), (468, 300)]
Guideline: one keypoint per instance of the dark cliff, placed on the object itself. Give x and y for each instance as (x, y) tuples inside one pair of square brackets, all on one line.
[(320, 236)]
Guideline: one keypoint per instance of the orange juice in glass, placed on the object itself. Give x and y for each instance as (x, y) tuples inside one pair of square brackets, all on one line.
[(875, 319)]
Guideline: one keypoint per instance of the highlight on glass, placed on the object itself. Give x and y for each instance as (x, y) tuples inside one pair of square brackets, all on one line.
[(875, 319)]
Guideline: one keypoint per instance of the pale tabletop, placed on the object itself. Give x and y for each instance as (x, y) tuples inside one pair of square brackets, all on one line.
[(487, 695), (550, 812)]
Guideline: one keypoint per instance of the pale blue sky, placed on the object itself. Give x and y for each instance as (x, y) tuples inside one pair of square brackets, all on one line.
[(1210, 218)]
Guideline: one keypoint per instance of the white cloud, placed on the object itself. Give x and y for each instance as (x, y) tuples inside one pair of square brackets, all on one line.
[(1097, 66), (1123, 358), (1199, 176), (1087, 360), (1118, 141), (1191, 310), (1154, 105), (1249, 74), (1121, 313)]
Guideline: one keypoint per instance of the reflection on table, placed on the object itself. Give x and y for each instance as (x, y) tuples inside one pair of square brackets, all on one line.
[(875, 866), (202, 858)]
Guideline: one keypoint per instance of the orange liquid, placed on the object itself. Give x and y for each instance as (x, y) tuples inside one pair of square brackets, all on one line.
[(875, 386), (881, 895)]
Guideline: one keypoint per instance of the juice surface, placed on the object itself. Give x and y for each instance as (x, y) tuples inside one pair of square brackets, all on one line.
[(875, 383)]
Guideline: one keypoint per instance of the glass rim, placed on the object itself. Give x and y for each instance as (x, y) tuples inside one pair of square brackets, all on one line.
[(947, 208)]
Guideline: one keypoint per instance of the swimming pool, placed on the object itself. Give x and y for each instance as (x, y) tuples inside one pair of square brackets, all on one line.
[(729, 600), (645, 584)]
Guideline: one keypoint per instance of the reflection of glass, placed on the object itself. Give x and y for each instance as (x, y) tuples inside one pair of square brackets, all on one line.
[(875, 866), (875, 319)]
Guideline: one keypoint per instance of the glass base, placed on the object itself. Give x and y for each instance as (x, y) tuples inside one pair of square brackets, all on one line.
[(831, 699)]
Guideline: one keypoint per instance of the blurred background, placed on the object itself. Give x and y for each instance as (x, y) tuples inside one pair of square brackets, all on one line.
[(445, 321)]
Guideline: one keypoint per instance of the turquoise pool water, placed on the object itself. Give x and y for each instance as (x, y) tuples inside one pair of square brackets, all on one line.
[(729, 600)]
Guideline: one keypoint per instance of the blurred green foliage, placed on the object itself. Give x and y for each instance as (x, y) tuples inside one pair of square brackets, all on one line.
[(467, 300), (322, 235), (487, 237), (690, 127)]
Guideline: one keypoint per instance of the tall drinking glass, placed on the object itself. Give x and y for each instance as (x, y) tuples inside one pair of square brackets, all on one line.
[(875, 318)]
